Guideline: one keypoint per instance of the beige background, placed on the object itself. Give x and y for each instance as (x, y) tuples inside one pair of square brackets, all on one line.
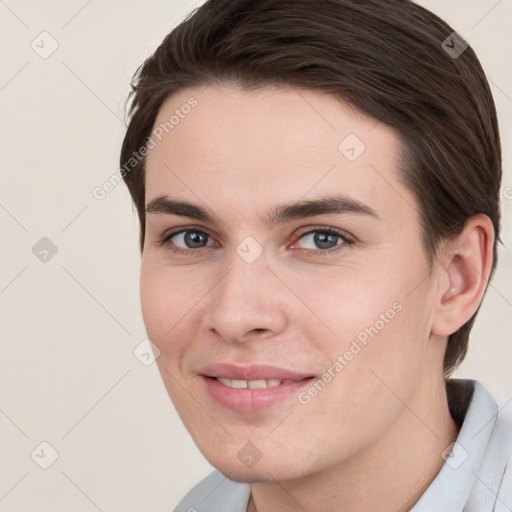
[(68, 375)]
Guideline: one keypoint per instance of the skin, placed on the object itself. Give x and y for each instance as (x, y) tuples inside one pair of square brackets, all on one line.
[(373, 437)]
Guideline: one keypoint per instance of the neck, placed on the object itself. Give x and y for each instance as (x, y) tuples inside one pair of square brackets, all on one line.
[(390, 476)]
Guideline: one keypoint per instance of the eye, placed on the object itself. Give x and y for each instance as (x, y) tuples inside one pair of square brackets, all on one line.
[(186, 241), (324, 240)]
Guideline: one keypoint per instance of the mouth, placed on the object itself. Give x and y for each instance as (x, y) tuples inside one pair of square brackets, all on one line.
[(253, 384), (253, 373), (253, 388)]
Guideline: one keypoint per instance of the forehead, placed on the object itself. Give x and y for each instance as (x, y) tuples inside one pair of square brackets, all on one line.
[(271, 145)]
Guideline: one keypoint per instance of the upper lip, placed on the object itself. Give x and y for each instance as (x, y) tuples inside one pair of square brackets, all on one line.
[(253, 372)]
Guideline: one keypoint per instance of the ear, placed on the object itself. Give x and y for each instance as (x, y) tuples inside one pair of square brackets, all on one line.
[(465, 266)]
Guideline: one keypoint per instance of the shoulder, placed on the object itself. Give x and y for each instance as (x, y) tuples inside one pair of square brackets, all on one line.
[(215, 493), (500, 465), (493, 481)]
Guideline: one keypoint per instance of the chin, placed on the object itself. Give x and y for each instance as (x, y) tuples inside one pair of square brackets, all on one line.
[(277, 468), (254, 475)]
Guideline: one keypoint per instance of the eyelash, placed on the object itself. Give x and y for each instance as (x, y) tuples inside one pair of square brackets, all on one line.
[(166, 237)]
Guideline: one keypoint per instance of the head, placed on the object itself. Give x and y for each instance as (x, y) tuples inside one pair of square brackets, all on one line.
[(246, 107)]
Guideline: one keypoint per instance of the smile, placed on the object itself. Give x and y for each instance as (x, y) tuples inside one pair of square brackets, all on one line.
[(253, 384)]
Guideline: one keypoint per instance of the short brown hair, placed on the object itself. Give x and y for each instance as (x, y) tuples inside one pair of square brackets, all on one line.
[(385, 57)]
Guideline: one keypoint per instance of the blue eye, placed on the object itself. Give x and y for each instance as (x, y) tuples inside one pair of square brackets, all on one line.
[(194, 241), (326, 240)]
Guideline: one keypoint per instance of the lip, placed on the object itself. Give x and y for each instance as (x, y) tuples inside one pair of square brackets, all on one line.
[(252, 372), (247, 399)]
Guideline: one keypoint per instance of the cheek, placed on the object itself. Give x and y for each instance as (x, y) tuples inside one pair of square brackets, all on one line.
[(345, 303), (374, 357), (374, 320), (154, 302), (171, 302), (163, 309), (166, 298)]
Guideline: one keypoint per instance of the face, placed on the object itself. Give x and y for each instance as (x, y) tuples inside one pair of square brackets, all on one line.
[(283, 256)]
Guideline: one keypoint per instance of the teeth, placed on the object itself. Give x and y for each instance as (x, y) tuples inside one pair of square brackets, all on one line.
[(252, 384), (256, 384)]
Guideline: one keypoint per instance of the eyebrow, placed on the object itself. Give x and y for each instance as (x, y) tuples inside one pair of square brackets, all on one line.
[(339, 204)]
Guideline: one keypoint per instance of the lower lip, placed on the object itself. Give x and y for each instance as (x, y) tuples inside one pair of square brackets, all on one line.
[(251, 400)]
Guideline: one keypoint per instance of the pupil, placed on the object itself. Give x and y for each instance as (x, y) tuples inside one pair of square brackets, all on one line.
[(194, 239)]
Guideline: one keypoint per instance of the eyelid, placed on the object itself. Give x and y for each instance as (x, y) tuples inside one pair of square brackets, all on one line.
[(330, 229)]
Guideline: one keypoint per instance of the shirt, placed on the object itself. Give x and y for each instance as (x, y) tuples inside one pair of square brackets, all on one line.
[(476, 475)]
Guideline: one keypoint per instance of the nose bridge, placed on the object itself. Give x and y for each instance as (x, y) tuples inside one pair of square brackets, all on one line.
[(246, 270), (242, 301)]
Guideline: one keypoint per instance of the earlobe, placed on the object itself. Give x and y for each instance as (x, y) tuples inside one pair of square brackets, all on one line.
[(464, 275)]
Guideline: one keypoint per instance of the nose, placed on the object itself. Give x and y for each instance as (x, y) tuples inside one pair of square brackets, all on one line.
[(247, 303)]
